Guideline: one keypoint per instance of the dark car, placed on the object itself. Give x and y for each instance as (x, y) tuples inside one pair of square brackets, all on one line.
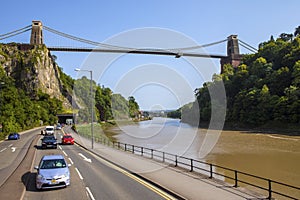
[(49, 141), (14, 136)]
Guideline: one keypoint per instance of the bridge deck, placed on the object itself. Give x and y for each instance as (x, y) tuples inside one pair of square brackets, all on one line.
[(137, 51)]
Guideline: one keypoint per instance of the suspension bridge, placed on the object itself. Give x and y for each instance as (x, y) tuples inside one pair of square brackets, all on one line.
[(233, 56)]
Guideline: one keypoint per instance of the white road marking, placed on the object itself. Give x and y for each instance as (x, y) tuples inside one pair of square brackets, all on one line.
[(10, 145), (85, 158), (90, 193), (71, 161), (3, 150), (60, 147), (65, 153), (13, 149), (78, 173)]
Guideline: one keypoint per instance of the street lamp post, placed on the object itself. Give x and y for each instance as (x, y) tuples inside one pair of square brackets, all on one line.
[(92, 101)]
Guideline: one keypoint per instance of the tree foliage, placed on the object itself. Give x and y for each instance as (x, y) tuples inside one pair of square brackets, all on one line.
[(106, 105), (19, 112), (264, 88)]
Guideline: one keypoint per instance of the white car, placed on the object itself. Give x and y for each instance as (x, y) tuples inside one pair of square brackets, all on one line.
[(52, 172), (49, 130)]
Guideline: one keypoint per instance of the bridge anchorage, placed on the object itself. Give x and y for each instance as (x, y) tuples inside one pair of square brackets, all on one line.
[(233, 56)]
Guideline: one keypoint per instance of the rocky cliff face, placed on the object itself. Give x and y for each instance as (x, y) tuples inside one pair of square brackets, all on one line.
[(33, 69)]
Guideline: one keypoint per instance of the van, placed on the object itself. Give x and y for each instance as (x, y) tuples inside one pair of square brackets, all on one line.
[(49, 130)]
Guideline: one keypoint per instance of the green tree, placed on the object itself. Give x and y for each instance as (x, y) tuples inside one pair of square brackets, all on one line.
[(133, 107)]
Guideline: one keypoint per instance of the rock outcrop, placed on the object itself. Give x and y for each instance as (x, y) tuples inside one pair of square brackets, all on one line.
[(33, 69)]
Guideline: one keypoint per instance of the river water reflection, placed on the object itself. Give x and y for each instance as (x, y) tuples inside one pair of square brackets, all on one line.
[(275, 157)]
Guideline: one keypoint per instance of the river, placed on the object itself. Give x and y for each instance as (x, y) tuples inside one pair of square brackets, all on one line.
[(273, 156)]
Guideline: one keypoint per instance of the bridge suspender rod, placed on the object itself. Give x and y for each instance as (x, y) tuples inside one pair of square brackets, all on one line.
[(122, 47)]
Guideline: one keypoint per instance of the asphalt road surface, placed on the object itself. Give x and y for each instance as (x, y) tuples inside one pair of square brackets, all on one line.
[(91, 177)]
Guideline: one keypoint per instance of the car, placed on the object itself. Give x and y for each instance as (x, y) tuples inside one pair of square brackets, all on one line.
[(49, 141), (52, 172), (67, 139), (14, 136), (58, 127), (49, 130)]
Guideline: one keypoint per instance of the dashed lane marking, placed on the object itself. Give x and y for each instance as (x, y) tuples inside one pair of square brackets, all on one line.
[(3, 150), (65, 153), (89, 193), (71, 161), (78, 173)]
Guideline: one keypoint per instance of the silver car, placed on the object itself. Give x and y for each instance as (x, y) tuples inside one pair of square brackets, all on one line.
[(52, 172)]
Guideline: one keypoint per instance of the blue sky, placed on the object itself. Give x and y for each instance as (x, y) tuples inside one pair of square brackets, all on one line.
[(122, 22)]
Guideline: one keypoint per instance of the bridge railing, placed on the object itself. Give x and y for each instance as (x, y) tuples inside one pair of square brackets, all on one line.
[(234, 177)]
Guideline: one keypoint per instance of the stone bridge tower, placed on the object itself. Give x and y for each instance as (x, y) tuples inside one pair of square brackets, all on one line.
[(36, 33), (233, 52)]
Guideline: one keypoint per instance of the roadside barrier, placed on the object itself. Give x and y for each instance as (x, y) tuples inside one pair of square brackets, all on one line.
[(237, 178)]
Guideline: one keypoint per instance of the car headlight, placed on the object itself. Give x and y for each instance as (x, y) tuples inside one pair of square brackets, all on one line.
[(40, 177)]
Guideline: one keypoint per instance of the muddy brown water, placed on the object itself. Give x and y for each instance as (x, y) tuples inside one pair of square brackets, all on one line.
[(272, 156)]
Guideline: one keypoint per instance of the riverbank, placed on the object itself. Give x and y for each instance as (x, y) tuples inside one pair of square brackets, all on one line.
[(269, 128)]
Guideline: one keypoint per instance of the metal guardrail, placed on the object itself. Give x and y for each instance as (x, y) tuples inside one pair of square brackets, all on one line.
[(194, 165)]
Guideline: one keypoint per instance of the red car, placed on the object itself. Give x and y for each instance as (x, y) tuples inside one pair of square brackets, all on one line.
[(67, 139)]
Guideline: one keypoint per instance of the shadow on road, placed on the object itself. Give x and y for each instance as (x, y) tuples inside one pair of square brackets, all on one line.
[(28, 179), (38, 147)]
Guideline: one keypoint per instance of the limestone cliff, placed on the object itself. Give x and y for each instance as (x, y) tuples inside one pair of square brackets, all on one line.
[(33, 69)]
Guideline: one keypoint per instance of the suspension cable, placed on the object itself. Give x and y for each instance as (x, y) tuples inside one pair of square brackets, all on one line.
[(85, 40), (17, 33), (246, 47), (244, 43), (198, 46)]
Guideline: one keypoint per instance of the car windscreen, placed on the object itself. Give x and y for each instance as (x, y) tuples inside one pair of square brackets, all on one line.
[(52, 164), (48, 138)]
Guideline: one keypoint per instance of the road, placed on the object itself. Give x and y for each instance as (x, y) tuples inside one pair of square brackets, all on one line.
[(12, 152), (91, 177)]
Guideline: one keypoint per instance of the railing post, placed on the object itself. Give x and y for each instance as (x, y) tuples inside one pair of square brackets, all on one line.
[(118, 145), (163, 156), (235, 178), (211, 171), (142, 151), (132, 148), (191, 165), (113, 144), (151, 153), (270, 189), (125, 147), (176, 161)]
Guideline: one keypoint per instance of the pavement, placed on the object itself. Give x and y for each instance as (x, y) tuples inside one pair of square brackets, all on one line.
[(176, 180)]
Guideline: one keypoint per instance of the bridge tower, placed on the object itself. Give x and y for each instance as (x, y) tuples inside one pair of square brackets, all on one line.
[(36, 33), (233, 52)]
